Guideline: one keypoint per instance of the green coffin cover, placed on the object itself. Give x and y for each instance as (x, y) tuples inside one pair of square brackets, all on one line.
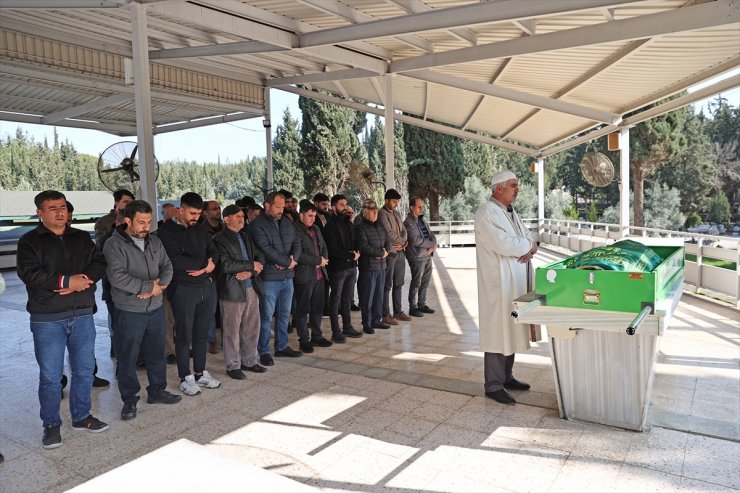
[(624, 256)]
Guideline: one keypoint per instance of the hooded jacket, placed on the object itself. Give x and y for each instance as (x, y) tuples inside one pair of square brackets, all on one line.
[(131, 272), (45, 262)]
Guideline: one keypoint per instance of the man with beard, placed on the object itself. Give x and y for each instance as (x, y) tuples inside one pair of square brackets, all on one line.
[(504, 252), (139, 272), (342, 267), (275, 236), (419, 252), (192, 293)]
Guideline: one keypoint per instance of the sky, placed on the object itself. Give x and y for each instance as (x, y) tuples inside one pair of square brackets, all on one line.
[(229, 142)]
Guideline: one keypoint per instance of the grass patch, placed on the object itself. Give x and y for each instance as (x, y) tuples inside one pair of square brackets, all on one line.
[(714, 262)]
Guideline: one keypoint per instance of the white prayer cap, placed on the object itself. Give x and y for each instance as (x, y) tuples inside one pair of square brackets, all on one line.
[(502, 177)]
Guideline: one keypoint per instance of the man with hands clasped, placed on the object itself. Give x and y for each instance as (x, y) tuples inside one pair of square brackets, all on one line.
[(139, 272)]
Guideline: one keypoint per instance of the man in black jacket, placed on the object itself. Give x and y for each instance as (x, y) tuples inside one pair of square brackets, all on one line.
[(343, 257), (192, 293), (238, 268), (373, 244), (59, 266), (310, 277)]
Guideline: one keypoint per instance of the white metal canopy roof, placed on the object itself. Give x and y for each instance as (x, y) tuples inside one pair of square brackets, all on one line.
[(530, 75)]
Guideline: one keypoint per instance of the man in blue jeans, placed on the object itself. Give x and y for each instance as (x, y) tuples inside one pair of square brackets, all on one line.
[(139, 271), (59, 266), (276, 237)]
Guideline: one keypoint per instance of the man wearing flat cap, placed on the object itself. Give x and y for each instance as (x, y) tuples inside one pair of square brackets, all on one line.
[(395, 271), (504, 250), (237, 271)]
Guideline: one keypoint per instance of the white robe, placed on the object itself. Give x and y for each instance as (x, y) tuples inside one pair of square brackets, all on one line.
[(500, 241)]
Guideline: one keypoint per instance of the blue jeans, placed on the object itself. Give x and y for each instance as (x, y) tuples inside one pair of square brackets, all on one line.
[(275, 295), (50, 339)]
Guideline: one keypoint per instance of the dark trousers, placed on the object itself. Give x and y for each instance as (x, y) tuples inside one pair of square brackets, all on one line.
[(340, 301), (497, 370), (140, 332), (421, 274), (309, 308), (395, 272), (111, 320), (370, 286), (193, 308)]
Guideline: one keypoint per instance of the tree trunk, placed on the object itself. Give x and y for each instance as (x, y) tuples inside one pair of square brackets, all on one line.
[(637, 178), (433, 206)]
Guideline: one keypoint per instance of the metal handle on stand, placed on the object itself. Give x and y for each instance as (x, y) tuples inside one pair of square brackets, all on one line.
[(529, 306), (646, 310)]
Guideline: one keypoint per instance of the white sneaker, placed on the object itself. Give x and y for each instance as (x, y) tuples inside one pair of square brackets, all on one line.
[(207, 381), (189, 387)]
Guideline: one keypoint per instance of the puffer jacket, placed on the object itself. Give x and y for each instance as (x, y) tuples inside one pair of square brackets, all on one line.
[(370, 240)]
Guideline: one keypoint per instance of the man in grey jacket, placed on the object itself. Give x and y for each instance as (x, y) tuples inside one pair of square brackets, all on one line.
[(139, 270), (419, 252), (396, 261)]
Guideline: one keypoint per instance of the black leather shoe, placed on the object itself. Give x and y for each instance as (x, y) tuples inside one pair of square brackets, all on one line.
[(100, 382), (425, 309), (129, 411), (171, 359), (351, 332), (338, 337), (381, 326), (355, 308), (255, 368), (266, 360), (415, 312), (163, 397), (321, 342), (501, 396), (306, 347), (288, 352), (368, 330), (516, 385), (236, 374)]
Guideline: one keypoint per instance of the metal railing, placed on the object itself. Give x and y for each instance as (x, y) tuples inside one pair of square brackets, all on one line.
[(712, 264)]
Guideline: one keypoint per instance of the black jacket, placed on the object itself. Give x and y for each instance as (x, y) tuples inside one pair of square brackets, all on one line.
[(188, 249), (231, 262), (370, 240), (45, 261), (340, 241), (277, 240), (305, 271)]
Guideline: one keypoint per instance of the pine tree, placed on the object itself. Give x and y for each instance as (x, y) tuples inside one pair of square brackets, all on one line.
[(286, 154)]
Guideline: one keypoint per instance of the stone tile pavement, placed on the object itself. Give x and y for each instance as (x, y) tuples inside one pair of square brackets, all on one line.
[(402, 411)]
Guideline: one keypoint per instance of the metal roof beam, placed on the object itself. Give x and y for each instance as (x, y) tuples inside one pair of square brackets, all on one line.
[(61, 4), (707, 15), (468, 15), (514, 95), (478, 106), (417, 6), (354, 16), (414, 121), (428, 99), (85, 108), (11, 116), (237, 48), (204, 122), (333, 75)]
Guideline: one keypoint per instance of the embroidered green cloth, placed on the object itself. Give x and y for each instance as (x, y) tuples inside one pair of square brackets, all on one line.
[(625, 256)]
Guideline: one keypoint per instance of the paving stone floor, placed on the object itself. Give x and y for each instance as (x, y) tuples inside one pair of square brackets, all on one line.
[(402, 411)]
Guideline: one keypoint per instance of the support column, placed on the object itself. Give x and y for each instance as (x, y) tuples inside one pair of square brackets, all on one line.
[(540, 197), (390, 165), (267, 123), (624, 181), (143, 99)]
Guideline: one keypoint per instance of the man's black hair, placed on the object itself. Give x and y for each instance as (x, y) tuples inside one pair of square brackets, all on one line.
[(320, 197), (247, 201), (270, 199), (285, 193), (118, 194), (192, 200), (337, 198), (70, 207), (254, 207), (306, 206), (47, 195), (392, 194), (135, 206)]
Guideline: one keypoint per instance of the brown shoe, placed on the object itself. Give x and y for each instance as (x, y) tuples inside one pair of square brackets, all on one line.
[(390, 321), (402, 317), (213, 347)]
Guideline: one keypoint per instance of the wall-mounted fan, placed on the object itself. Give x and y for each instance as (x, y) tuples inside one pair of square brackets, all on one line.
[(118, 166), (597, 169)]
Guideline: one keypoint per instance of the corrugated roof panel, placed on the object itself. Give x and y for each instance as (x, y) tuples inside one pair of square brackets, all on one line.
[(495, 116), (545, 127)]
